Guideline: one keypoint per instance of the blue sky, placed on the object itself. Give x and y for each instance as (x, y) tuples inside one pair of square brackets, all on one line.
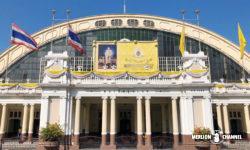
[(220, 16)]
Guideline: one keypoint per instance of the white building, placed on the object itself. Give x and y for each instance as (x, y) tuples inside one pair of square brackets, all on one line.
[(58, 85)]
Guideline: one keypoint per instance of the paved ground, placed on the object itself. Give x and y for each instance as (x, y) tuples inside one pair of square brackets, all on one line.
[(240, 145)]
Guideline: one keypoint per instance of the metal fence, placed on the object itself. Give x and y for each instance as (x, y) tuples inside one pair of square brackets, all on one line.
[(86, 63)]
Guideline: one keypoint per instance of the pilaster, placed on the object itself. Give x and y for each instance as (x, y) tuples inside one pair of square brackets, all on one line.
[(247, 120), (31, 122), (187, 119), (207, 113), (226, 119)]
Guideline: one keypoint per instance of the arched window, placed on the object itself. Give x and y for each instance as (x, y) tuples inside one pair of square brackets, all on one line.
[(133, 22), (148, 23), (116, 22), (100, 23)]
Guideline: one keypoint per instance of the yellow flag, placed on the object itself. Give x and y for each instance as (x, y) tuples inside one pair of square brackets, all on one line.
[(242, 41), (182, 41)]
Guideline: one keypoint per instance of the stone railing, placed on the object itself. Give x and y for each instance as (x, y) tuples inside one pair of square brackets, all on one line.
[(233, 88), (20, 88)]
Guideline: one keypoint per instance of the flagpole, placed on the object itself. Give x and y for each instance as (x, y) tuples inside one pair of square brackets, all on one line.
[(183, 25), (53, 12), (243, 72), (7, 65), (197, 12), (68, 15), (124, 7)]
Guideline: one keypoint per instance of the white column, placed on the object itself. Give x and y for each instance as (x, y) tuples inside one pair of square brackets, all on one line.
[(247, 118), (25, 119), (207, 113), (104, 115), (139, 122), (31, 119), (148, 121), (186, 115), (77, 116), (112, 116), (226, 119), (163, 118), (139, 115), (112, 121), (69, 114), (104, 121), (44, 113), (219, 116), (148, 115), (175, 116), (3, 119)]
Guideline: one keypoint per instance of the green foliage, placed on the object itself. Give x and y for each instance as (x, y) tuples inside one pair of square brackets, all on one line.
[(52, 132), (201, 131)]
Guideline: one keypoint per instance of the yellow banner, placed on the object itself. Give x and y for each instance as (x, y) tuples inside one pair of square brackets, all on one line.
[(137, 56), (126, 56)]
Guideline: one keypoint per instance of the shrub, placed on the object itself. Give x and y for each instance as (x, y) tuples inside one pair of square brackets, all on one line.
[(52, 132), (201, 131), (205, 133)]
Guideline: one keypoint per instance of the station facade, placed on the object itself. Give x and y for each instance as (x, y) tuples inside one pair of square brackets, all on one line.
[(131, 89)]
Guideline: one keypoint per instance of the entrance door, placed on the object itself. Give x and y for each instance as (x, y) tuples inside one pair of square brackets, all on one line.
[(235, 122), (125, 122), (14, 125), (36, 127), (236, 127)]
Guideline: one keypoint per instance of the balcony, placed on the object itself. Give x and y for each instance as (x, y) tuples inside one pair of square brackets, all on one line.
[(194, 68)]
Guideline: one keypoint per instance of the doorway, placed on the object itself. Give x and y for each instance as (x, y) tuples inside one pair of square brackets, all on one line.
[(236, 127), (236, 122), (125, 122), (14, 126)]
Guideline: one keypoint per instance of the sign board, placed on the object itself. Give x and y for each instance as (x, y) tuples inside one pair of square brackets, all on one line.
[(126, 56)]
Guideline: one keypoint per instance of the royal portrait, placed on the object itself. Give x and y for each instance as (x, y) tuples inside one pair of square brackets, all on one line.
[(107, 57)]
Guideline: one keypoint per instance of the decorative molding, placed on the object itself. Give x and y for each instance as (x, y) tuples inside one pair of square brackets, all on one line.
[(218, 104), (112, 97), (174, 98), (224, 104), (139, 97), (104, 97), (78, 97), (147, 97), (247, 104)]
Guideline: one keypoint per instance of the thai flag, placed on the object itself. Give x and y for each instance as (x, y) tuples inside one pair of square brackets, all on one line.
[(20, 37), (74, 41)]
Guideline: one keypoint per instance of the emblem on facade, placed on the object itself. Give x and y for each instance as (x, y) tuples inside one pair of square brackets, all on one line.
[(138, 53)]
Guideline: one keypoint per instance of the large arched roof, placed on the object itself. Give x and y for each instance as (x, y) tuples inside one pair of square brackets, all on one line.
[(161, 23)]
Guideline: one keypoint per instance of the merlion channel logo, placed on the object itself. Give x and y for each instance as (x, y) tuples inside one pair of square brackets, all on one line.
[(216, 138)]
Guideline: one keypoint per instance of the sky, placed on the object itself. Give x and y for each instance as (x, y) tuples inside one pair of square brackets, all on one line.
[(220, 16)]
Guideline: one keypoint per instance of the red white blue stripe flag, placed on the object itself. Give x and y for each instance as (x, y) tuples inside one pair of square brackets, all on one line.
[(74, 41), (20, 37)]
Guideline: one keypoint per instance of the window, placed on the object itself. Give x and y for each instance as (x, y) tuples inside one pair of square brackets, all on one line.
[(235, 114), (148, 23), (15, 114), (133, 22), (116, 22), (221, 65), (100, 23), (37, 115)]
